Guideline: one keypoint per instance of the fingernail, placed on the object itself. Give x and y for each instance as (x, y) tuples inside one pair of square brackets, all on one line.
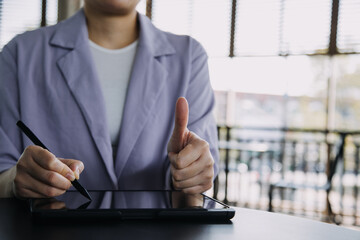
[(77, 173), (70, 176)]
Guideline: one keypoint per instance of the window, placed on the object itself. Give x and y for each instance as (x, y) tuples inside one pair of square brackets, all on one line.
[(305, 26), (281, 50), (348, 33), (29, 10), (206, 20), (281, 53)]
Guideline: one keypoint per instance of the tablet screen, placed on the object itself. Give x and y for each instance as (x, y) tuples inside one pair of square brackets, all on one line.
[(128, 200)]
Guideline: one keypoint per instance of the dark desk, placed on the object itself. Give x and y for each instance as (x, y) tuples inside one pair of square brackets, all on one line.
[(16, 223)]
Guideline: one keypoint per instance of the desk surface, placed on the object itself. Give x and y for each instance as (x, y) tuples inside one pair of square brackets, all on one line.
[(16, 223)]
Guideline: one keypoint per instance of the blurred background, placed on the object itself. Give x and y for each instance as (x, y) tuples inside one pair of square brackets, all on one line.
[(286, 75)]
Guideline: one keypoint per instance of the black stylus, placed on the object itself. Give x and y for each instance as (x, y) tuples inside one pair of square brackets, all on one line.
[(37, 142)]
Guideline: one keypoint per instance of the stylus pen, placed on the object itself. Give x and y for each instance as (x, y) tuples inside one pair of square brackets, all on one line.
[(37, 142)]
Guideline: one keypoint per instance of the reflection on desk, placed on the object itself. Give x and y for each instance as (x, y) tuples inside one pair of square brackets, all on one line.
[(16, 223)]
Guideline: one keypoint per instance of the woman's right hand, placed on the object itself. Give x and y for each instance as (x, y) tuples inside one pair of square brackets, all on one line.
[(39, 174)]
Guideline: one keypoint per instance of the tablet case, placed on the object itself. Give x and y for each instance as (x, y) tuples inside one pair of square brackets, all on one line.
[(134, 204)]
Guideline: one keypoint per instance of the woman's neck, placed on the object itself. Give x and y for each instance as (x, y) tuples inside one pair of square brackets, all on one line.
[(111, 31)]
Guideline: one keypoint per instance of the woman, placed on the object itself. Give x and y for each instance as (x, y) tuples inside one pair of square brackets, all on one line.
[(103, 87)]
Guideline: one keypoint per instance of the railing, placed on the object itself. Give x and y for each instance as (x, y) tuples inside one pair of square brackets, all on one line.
[(253, 158)]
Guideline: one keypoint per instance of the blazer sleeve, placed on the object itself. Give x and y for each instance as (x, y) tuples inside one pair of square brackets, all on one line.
[(201, 100), (200, 96), (10, 143)]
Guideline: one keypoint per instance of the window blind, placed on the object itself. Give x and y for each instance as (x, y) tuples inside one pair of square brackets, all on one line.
[(18, 16), (257, 27), (141, 7), (282, 27), (208, 21), (306, 26), (262, 27), (348, 38)]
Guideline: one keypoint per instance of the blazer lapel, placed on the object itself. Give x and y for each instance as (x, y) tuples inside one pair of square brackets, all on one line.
[(143, 90), (79, 72), (147, 81)]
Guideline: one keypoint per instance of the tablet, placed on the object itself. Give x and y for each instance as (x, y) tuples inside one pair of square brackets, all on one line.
[(134, 204)]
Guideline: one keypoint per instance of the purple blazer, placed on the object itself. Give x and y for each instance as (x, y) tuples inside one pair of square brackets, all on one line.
[(48, 80)]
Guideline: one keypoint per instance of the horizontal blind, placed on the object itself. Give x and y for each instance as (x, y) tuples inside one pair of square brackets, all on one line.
[(51, 12), (208, 21), (271, 27), (18, 16), (257, 27), (306, 26), (141, 7), (348, 38), (173, 16), (262, 27)]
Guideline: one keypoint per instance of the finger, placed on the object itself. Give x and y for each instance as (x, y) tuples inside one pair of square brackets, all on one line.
[(48, 203), (192, 151), (48, 161), (197, 189), (194, 169), (75, 165), (185, 157), (26, 183), (181, 121), (181, 116), (47, 177), (204, 178), (40, 203), (55, 205)]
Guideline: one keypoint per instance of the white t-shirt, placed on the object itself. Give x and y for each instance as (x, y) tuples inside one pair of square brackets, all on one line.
[(114, 69)]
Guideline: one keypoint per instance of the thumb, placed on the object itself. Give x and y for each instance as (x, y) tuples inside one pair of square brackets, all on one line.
[(178, 138)]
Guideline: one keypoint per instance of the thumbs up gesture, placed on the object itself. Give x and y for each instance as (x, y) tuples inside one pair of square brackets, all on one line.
[(190, 157)]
